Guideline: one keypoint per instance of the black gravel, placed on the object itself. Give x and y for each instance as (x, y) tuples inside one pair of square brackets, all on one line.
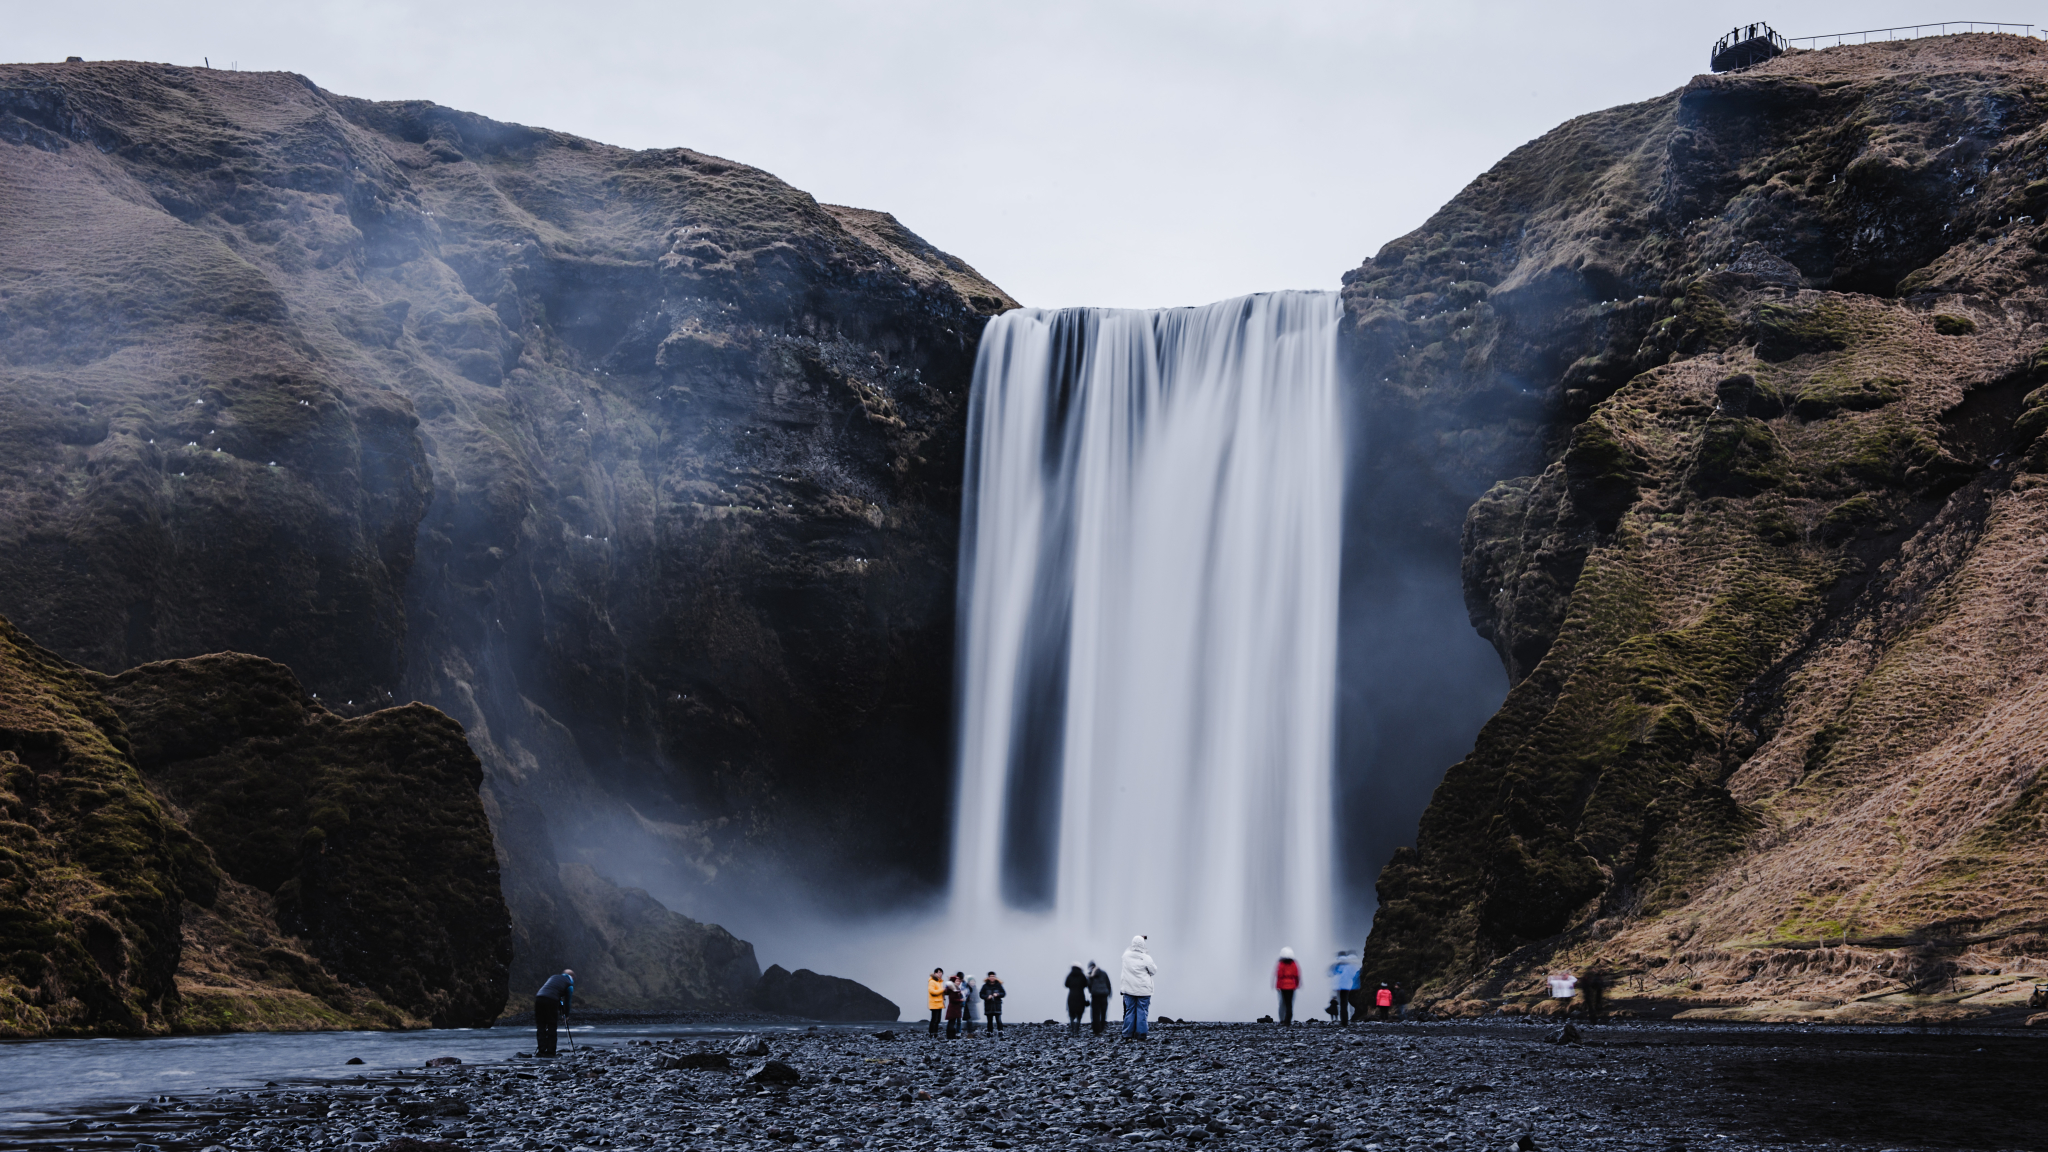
[(1372, 1088)]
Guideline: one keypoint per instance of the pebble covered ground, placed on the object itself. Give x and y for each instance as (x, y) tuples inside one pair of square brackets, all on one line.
[(1371, 1088)]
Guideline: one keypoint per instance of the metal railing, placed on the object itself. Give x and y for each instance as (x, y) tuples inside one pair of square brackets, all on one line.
[(1748, 32), (1913, 31), (1745, 45)]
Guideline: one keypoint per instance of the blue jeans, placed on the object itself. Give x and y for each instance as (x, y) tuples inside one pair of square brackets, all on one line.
[(1135, 1008)]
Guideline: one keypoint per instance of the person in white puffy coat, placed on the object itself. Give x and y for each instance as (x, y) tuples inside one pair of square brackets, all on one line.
[(1139, 969)]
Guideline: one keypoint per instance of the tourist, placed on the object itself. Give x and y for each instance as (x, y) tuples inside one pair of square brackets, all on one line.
[(1287, 977), (550, 1003), (1077, 997), (1098, 991), (992, 1003), (956, 1003), (1400, 1000), (936, 998), (1593, 993), (1344, 981), (1563, 986), (1139, 969), (970, 1003), (1383, 1000)]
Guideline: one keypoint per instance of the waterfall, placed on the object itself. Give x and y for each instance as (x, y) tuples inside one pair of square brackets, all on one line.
[(1149, 572)]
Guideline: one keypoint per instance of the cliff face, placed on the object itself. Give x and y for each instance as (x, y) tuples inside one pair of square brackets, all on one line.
[(367, 834), (341, 874), (643, 466), (1773, 350)]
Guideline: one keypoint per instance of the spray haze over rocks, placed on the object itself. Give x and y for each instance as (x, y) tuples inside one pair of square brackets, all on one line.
[(642, 465)]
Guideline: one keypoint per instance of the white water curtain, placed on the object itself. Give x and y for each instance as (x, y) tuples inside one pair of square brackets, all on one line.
[(1149, 577)]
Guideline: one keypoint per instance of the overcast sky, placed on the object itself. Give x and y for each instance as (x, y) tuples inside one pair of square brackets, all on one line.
[(1118, 152)]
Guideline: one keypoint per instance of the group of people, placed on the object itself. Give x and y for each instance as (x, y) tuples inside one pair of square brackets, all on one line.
[(953, 1000), (961, 1004), (1348, 994)]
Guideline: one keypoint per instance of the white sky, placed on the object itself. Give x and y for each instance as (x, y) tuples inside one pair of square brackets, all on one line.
[(1112, 152)]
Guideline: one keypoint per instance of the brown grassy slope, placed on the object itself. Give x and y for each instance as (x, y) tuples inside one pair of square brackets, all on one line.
[(643, 465), (1770, 608)]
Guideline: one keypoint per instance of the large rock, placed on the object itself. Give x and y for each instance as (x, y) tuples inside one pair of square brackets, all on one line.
[(368, 833), (349, 880), (1768, 591), (631, 954), (643, 466), (814, 997), (93, 871)]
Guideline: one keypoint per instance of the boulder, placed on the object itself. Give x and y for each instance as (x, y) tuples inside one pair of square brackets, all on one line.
[(750, 1045), (818, 997), (773, 1072), (704, 1061)]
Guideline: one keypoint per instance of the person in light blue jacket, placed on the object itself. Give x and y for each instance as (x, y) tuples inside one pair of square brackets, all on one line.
[(1344, 980)]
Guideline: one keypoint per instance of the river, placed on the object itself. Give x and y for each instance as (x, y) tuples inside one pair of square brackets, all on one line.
[(45, 1079)]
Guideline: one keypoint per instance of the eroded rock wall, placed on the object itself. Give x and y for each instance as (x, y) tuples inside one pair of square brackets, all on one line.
[(1769, 591), (644, 466)]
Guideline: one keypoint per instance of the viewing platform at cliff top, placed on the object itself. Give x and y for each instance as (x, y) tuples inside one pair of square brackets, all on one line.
[(1751, 44)]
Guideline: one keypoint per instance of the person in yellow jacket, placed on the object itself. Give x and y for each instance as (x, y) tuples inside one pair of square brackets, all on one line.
[(935, 999)]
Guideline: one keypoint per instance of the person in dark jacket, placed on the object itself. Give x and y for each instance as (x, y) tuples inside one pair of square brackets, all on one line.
[(956, 1004), (1286, 978), (1099, 992), (992, 1003), (550, 1004), (1077, 998)]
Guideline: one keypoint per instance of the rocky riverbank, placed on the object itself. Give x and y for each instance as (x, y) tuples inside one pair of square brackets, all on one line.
[(1371, 1088)]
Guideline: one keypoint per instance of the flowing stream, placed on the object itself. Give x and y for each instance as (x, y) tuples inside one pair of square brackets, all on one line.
[(1149, 587)]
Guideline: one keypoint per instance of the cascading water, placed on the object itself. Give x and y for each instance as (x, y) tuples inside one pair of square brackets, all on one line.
[(1149, 583)]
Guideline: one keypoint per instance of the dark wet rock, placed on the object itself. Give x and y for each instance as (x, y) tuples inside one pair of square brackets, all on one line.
[(750, 1046), (774, 1072), (444, 1061), (811, 996), (353, 1060), (699, 1061)]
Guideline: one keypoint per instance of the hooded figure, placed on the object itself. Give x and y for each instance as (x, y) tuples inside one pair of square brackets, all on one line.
[(1139, 969), (1344, 982), (971, 1002), (1098, 992), (1287, 978), (1077, 998)]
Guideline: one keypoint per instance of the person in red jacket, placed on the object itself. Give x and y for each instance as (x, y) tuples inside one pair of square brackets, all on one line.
[(1287, 977)]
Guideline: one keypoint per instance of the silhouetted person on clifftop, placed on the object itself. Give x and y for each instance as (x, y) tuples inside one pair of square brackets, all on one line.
[(550, 1004)]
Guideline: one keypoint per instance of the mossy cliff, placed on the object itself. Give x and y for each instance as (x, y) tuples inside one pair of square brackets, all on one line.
[(367, 833), (642, 465), (1771, 350), (195, 845)]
